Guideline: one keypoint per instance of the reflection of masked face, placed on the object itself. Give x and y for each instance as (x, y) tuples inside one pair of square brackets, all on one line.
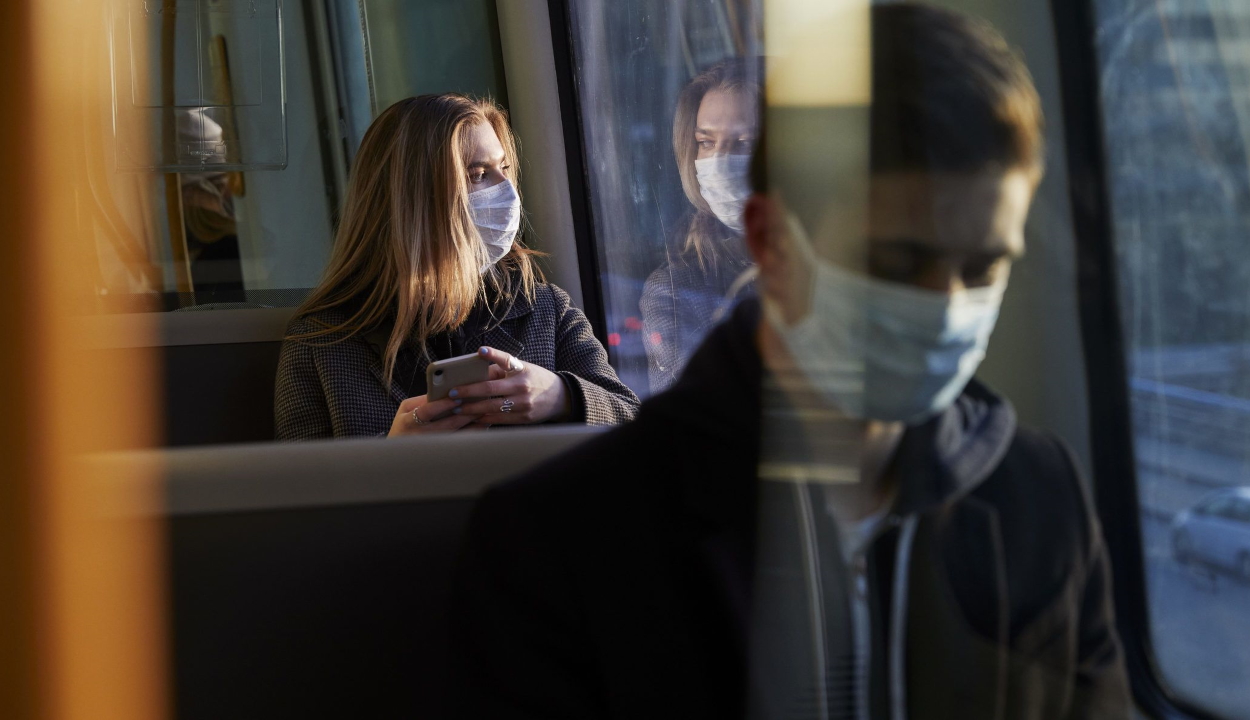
[(723, 183), (888, 351), (496, 212)]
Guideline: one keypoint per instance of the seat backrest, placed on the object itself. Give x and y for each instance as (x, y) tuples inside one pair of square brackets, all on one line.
[(219, 364), (331, 612), (221, 360), (310, 580), (219, 394)]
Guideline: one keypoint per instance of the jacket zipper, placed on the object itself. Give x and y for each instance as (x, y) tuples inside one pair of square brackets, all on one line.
[(861, 619), (816, 595), (862, 622), (898, 617)]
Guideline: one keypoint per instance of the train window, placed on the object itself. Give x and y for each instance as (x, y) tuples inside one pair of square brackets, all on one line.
[(664, 202), (1176, 107), (252, 226), (224, 234), (433, 46)]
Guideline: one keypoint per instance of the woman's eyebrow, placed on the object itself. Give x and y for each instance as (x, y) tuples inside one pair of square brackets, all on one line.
[(993, 252), (485, 164)]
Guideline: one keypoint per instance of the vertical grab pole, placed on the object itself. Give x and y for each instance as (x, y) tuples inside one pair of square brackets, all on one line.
[(169, 149), (81, 603)]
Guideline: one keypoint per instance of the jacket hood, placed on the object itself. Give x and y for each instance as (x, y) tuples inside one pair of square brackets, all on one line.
[(951, 454), (721, 395)]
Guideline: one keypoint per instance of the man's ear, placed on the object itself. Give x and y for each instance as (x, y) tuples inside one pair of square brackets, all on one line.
[(785, 276), (759, 217)]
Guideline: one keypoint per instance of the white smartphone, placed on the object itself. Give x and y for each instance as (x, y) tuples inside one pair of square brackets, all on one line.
[(443, 375)]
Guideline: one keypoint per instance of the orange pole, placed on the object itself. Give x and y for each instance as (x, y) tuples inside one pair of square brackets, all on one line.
[(18, 460), (81, 598)]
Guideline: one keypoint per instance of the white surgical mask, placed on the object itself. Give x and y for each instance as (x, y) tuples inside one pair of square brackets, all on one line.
[(888, 351), (496, 212), (724, 184)]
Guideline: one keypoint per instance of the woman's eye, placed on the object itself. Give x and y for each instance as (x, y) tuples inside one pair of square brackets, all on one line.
[(706, 144), (979, 274), (895, 264), (477, 177)]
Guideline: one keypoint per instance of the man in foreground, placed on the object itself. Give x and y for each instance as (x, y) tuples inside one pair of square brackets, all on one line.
[(826, 517)]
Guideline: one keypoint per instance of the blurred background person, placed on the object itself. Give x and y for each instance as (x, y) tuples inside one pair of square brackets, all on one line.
[(714, 131), (208, 200), (427, 266)]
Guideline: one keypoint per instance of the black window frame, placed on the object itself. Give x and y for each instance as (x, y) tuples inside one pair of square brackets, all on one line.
[(1114, 456), (593, 301)]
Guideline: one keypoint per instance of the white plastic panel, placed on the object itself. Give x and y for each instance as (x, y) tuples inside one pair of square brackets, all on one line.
[(199, 85)]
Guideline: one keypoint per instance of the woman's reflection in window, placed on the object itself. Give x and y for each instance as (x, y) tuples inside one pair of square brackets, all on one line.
[(714, 131)]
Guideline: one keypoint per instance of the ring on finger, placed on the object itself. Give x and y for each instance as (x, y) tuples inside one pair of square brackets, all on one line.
[(515, 365), (417, 418), (506, 407)]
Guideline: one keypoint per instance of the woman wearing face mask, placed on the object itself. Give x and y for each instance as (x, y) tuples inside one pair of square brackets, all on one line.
[(427, 266), (713, 134)]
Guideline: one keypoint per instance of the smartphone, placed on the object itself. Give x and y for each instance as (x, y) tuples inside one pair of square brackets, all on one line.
[(443, 375)]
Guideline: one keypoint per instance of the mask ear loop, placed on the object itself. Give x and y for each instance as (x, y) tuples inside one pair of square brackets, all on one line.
[(746, 277)]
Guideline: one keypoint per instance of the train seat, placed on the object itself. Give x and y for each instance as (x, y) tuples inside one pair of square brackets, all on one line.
[(301, 590)]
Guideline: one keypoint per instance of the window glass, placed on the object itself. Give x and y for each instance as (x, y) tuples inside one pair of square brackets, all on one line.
[(1240, 512), (667, 255), (221, 236), (1223, 508), (257, 231), (433, 46), (1176, 95)]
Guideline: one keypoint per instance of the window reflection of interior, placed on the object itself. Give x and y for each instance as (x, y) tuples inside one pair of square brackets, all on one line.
[(250, 135)]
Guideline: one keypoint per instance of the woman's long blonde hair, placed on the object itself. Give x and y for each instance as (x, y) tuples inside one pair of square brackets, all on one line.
[(406, 246), (735, 75)]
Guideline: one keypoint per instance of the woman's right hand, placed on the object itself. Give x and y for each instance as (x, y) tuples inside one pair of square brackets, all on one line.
[(416, 417)]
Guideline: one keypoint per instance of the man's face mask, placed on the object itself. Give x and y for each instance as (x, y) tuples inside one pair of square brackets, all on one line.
[(724, 184), (887, 351), (496, 212)]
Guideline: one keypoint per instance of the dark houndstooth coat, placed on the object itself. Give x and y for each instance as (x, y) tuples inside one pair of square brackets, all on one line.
[(679, 303), (336, 390)]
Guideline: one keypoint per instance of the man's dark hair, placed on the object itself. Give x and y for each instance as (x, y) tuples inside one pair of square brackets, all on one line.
[(948, 95)]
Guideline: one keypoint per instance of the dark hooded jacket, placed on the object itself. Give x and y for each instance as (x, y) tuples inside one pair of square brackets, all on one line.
[(626, 579)]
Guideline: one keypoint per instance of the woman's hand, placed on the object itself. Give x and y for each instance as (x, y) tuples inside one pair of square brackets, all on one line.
[(527, 393), (417, 416)]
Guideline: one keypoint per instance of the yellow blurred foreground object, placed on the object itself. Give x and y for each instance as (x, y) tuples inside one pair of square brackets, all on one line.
[(81, 586)]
